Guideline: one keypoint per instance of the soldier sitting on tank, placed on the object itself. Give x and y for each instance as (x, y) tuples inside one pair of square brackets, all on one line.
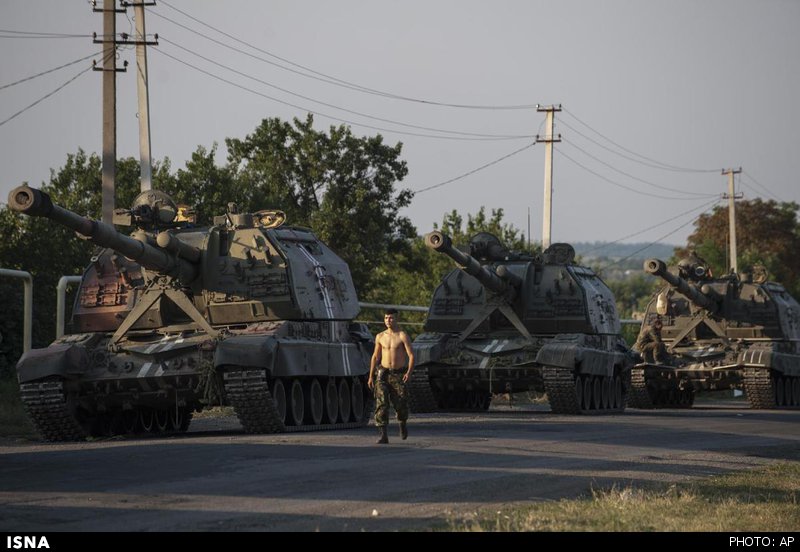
[(650, 345)]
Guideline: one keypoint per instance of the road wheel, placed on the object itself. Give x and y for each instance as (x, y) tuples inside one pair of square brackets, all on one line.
[(331, 401), (147, 419), (297, 403), (587, 392), (345, 400), (357, 402), (316, 402), (162, 420), (606, 383), (617, 392), (279, 398), (597, 393)]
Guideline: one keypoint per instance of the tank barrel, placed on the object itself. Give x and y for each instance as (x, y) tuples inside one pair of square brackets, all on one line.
[(658, 268), (509, 276), (36, 203), (173, 244), (441, 243)]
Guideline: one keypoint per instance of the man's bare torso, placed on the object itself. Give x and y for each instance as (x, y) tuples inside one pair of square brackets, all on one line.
[(393, 351)]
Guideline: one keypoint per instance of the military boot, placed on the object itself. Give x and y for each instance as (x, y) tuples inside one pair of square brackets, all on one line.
[(384, 436), (403, 431)]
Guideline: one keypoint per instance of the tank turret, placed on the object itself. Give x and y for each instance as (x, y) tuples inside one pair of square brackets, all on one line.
[(441, 243), (743, 333), (36, 203), (176, 317), (505, 322), (706, 300)]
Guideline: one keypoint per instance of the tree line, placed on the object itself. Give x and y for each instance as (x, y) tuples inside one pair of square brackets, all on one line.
[(348, 190)]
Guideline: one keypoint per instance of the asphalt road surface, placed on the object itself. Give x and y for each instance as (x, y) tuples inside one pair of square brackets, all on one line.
[(216, 478)]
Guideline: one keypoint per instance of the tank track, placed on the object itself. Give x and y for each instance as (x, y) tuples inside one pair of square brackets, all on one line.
[(639, 397), (559, 384), (48, 409), (420, 394), (760, 388), (248, 393)]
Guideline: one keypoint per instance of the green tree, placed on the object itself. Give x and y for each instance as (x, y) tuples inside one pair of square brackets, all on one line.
[(340, 185), (633, 292), (203, 185), (410, 276), (48, 250), (453, 225), (767, 232)]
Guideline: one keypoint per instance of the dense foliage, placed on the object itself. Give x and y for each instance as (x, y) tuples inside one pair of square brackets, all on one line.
[(767, 232)]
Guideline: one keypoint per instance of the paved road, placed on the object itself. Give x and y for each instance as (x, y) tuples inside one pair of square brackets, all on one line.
[(226, 480)]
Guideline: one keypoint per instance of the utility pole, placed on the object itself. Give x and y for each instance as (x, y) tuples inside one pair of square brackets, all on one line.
[(142, 87), (548, 140), (731, 197), (109, 70)]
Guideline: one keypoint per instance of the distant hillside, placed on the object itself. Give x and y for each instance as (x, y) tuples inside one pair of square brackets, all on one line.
[(595, 250)]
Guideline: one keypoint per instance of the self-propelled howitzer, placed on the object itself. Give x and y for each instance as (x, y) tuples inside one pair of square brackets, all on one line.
[(176, 318), (733, 332), (506, 322)]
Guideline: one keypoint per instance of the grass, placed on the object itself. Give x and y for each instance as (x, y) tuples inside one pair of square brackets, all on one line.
[(766, 499), (14, 421)]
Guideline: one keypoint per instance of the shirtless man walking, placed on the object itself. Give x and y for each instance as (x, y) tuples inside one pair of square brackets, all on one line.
[(393, 350)]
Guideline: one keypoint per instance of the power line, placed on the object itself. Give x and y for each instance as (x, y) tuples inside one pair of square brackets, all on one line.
[(473, 171), (322, 76), (756, 182), (23, 110), (290, 92), (32, 34), (634, 190), (653, 162), (653, 227), (665, 236), (46, 72), (666, 188), (321, 114)]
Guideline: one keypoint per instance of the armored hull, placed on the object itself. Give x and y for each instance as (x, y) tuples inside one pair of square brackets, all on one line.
[(506, 323)]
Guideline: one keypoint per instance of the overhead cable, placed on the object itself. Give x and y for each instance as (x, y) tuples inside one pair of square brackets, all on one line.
[(8, 33), (652, 162), (652, 227), (46, 72), (473, 171), (665, 236), (160, 51), (290, 92), (757, 183), (613, 168), (322, 76), (23, 110), (634, 190)]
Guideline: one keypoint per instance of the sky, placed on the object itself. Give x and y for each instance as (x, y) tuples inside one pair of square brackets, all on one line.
[(657, 97)]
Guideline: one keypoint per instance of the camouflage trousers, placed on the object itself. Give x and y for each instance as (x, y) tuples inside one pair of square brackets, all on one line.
[(390, 387), (654, 350)]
